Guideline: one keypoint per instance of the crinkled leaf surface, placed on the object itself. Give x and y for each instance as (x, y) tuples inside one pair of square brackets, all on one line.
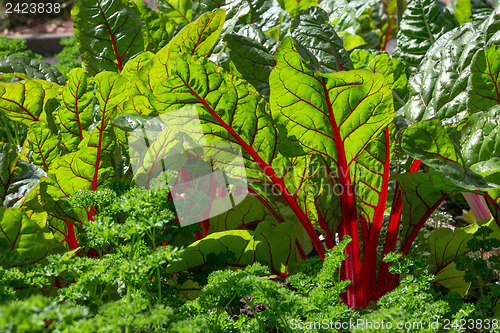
[(266, 14), (428, 141), (268, 244), (325, 50), (422, 193), (157, 30), (439, 87), (424, 21), (197, 38), (43, 145), (446, 245), (109, 33), (178, 11), (452, 279), (253, 56), (28, 101), (463, 10), (92, 165), (33, 68), (334, 115), (21, 235), (17, 176), (74, 115)]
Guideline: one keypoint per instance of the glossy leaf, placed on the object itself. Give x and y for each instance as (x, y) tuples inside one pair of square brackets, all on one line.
[(74, 115), (424, 21), (197, 38), (157, 30), (446, 245), (325, 50), (452, 279), (21, 235), (33, 68), (253, 57), (268, 244), (17, 176), (178, 11), (28, 101), (439, 87), (107, 40), (292, 6)]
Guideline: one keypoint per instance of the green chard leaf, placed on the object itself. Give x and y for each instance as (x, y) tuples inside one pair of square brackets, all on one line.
[(21, 235), (266, 14), (43, 145), (270, 245), (394, 71), (428, 141), (253, 56), (92, 165), (318, 42), (33, 68), (484, 81), (17, 176), (197, 38), (442, 85), (445, 246), (74, 115), (481, 151), (463, 11), (177, 11), (115, 35), (221, 101), (335, 116), (134, 65), (28, 101), (361, 115), (157, 31), (439, 87), (422, 193), (292, 6), (424, 21)]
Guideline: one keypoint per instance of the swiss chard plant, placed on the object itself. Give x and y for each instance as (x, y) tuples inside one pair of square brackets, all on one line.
[(315, 126)]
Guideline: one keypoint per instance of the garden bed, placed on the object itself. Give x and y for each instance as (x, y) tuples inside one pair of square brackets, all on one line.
[(266, 168)]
